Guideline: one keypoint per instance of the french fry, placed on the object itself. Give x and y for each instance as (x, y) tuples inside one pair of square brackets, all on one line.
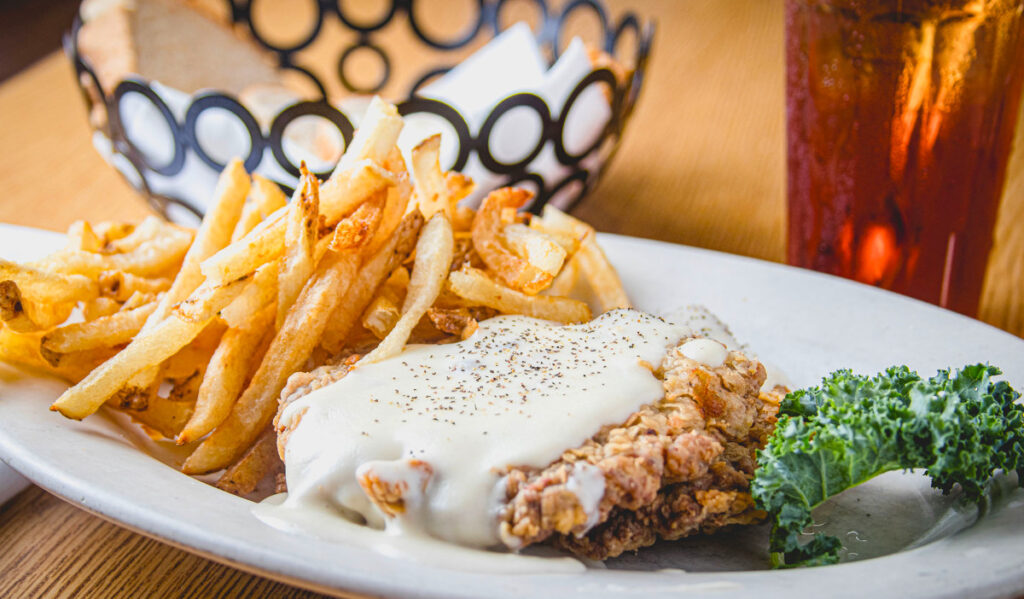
[(536, 247), (434, 251), (381, 316), (459, 187), (99, 307), (152, 257), (260, 461), (122, 285), (111, 232), (291, 347), (265, 198), (378, 131), (208, 300), (475, 286), (139, 299), (146, 349), (213, 234), (226, 375), (262, 244), (566, 238), (355, 231), (23, 350), (163, 415), (194, 356), (186, 389), (81, 236), (384, 310), (594, 265), (565, 282), (150, 228), (107, 331), (300, 236), (395, 209), (346, 190), (209, 338), (266, 242), (23, 316), (254, 298), (38, 285), (430, 187), (516, 272), (370, 276)]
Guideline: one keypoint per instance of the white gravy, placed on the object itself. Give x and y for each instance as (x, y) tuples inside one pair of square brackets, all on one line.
[(519, 392)]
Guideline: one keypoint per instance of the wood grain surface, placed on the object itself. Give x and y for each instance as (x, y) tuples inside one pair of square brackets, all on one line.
[(703, 163)]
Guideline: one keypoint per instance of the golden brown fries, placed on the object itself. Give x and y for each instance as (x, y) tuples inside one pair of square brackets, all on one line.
[(395, 207), (226, 375), (256, 296), (194, 334), (376, 137), (593, 264), (300, 237), (385, 308), (106, 331), (265, 198), (145, 351), (477, 288), (260, 461), (48, 287), (164, 416), (290, 348), (354, 231), (152, 257), (122, 285), (565, 283), (129, 238), (431, 189), (99, 307), (370, 276), (112, 232), (213, 234), (23, 350), (186, 389), (23, 315), (81, 236), (488, 240), (433, 257), (266, 241)]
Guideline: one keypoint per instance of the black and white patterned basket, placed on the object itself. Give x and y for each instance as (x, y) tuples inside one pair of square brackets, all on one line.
[(579, 170)]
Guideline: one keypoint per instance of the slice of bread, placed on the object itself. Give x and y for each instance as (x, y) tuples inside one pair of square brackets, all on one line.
[(180, 43)]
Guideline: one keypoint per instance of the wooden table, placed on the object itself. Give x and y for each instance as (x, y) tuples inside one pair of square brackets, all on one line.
[(702, 164)]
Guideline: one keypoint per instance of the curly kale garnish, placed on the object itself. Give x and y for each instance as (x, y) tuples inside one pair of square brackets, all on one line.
[(960, 428)]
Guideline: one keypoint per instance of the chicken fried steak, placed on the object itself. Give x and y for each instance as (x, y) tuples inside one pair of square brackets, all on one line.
[(467, 442)]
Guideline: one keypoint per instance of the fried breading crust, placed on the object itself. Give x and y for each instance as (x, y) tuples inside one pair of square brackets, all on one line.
[(674, 468)]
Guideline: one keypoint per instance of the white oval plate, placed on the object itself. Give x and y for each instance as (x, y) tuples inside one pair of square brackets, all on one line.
[(806, 323)]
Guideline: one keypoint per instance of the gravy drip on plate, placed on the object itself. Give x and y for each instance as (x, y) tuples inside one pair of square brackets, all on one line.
[(519, 392)]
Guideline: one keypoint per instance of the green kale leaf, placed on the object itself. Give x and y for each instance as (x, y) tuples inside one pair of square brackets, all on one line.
[(960, 427)]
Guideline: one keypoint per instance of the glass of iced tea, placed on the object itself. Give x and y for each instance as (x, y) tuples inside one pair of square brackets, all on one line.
[(901, 116)]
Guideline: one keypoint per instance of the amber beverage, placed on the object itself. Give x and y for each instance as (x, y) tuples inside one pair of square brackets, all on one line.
[(901, 116)]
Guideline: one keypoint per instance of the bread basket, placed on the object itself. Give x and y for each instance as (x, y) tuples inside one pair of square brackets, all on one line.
[(178, 176)]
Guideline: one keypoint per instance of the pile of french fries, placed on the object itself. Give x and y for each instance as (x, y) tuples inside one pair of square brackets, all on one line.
[(194, 334)]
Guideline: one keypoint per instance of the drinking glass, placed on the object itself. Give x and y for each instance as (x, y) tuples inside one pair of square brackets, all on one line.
[(900, 118)]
